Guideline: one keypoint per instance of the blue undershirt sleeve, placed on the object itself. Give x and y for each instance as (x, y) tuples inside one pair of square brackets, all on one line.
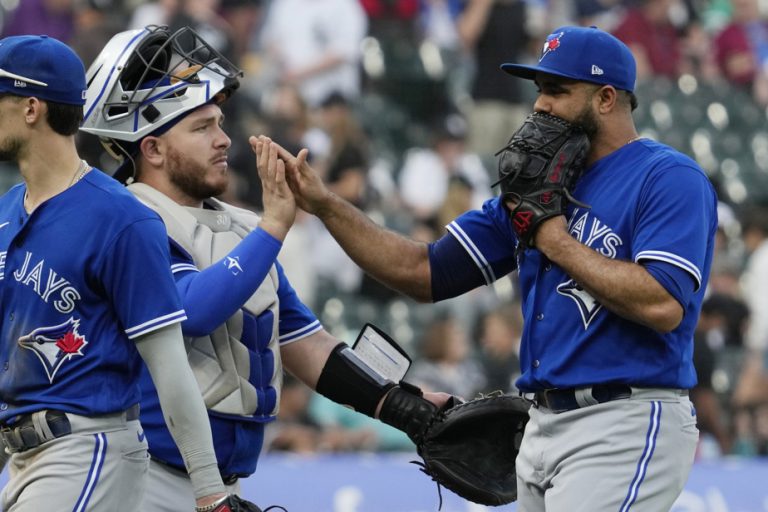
[(453, 271), (679, 283), (214, 294)]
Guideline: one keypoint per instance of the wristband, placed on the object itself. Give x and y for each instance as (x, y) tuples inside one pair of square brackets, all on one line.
[(213, 506)]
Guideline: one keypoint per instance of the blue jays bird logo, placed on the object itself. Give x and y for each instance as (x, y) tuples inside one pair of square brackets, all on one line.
[(233, 264), (588, 306), (55, 344), (552, 43)]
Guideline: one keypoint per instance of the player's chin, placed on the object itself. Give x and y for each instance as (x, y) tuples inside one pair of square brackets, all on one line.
[(217, 182)]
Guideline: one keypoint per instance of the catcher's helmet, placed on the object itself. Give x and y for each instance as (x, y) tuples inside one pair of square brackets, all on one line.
[(145, 79)]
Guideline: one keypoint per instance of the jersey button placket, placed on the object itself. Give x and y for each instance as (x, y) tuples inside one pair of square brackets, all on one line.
[(540, 316)]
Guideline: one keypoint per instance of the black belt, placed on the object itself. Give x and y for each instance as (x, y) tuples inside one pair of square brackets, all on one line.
[(229, 479), (23, 435), (563, 400)]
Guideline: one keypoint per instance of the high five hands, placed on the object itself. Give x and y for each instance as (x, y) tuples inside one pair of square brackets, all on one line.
[(278, 200), (308, 189)]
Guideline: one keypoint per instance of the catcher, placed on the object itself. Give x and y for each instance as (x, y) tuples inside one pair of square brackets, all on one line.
[(611, 293)]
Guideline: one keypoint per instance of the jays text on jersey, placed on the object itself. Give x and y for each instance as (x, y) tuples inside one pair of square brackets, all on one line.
[(570, 340), (80, 278)]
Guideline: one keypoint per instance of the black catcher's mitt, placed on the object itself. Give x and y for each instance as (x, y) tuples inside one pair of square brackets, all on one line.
[(468, 447), (538, 168)]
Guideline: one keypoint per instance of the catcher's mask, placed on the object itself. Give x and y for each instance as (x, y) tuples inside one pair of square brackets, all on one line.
[(144, 80)]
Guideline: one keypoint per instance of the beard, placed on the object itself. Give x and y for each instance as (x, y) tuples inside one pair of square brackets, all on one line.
[(588, 122), (10, 149), (190, 177)]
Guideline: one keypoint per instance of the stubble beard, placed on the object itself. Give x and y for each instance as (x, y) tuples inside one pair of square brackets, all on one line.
[(10, 149), (189, 177), (588, 122)]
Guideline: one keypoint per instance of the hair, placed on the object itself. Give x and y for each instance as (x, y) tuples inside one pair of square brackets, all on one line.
[(630, 98), (63, 118)]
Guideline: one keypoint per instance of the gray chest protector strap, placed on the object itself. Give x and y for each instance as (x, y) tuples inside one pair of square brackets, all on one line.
[(220, 361)]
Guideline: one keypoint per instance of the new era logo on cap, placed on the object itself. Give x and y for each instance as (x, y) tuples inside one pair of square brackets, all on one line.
[(42, 67), (583, 53)]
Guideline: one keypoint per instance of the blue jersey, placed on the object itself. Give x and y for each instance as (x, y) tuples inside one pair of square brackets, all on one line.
[(237, 439), (80, 278), (650, 205)]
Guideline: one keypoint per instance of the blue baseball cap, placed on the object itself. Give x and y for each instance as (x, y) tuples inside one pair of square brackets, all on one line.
[(42, 67), (586, 54)]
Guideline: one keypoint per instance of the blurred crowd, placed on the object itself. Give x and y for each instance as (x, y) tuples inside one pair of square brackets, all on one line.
[(402, 106)]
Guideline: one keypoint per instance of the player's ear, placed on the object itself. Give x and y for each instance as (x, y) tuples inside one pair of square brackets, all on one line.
[(607, 96), (152, 150), (34, 109)]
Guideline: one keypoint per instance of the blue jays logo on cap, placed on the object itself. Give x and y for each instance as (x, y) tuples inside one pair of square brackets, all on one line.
[(55, 345), (42, 67), (552, 43), (586, 54)]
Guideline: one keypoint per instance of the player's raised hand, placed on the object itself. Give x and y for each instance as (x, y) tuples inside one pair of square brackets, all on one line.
[(279, 202), (307, 186)]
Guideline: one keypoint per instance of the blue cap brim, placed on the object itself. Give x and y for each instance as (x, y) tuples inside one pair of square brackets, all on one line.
[(529, 72)]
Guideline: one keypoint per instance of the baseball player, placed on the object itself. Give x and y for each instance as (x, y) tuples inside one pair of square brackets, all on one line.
[(85, 295), (611, 293), (154, 98)]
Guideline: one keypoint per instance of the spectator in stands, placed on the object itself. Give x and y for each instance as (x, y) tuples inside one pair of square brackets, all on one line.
[(498, 335), (751, 395), (315, 44), (345, 430), (494, 31), (204, 17), (653, 39), (243, 17), (755, 277), (741, 49), (392, 18), (727, 261), (153, 12), (717, 327), (427, 173), (294, 431), (55, 18), (347, 166), (445, 361)]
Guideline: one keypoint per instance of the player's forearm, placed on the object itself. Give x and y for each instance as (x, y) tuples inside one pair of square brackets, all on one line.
[(183, 408), (393, 259), (472, 21), (623, 287), (305, 358), (214, 294)]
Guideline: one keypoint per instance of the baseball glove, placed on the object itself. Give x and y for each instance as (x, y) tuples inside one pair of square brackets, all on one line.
[(471, 448), (468, 447), (537, 170)]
